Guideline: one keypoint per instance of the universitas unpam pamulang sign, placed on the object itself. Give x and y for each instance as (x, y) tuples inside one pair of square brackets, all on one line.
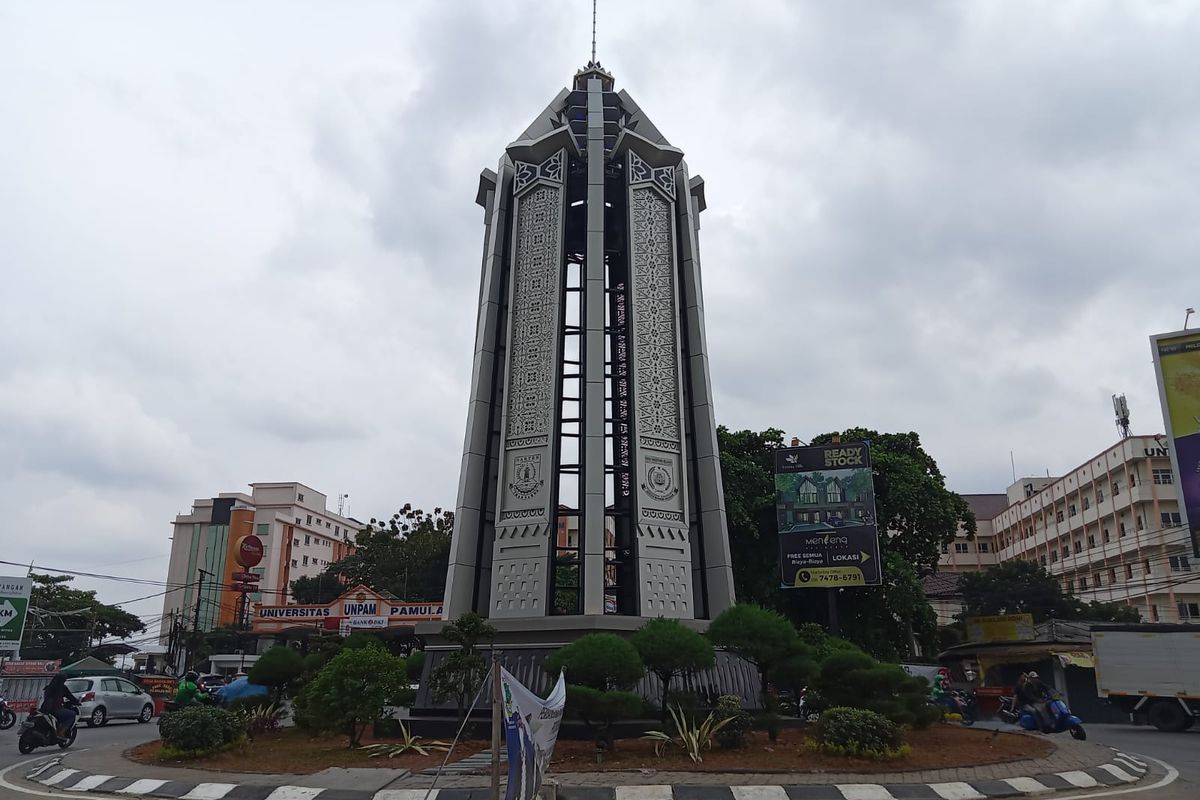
[(361, 607), (1177, 366)]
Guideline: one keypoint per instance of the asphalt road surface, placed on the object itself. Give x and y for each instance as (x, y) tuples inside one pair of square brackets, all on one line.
[(1180, 750), (116, 736)]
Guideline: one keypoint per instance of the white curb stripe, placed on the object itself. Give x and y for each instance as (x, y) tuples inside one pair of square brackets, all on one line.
[(1027, 785), (1128, 763), (141, 786), (1117, 773), (88, 783), (58, 777), (406, 794), (293, 793), (44, 767), (209, 791), (643, 793), (758, 793), (1079, 779), (956, 791), (864, 791), (1134, 759)]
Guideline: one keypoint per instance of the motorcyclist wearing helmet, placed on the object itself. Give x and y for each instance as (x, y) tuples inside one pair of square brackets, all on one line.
[(58, 702), (1032, 695), (188, 692)]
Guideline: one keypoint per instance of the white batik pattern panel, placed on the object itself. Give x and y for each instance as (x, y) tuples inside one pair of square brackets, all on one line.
[(657, 349)]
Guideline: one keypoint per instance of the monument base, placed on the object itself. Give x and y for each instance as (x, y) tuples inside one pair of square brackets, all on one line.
[(523, 646)]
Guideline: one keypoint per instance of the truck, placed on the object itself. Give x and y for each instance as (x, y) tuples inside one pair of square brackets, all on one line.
[(1150, 672)]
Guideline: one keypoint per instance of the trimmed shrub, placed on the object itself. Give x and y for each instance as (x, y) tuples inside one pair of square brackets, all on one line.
[(733, 735), (601, 669), (199, 730), (350, 691), (670, 649), (414, 665), (762, 637), (859, 733), (854, 679), (276, 668)]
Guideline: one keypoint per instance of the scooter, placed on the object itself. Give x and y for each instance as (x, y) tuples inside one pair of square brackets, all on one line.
[(1061, 719), (8, 717), (41, 730), (964, 703), (1008, 710)]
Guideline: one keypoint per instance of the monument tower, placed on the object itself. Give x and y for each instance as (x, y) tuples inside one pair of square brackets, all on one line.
[(590, 486)]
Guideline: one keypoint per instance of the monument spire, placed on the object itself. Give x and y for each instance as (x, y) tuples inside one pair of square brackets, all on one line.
[(593, 61)]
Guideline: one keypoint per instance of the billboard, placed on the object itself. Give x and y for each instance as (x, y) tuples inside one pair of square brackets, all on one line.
[(14, 603), (825, 513), (1177, 366), (1001, 628)]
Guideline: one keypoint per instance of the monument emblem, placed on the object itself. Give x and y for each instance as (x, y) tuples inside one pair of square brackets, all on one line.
[(590, 482)]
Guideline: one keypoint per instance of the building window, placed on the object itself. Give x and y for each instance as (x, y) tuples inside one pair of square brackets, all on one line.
[(263, 528), (1078, 546), (1058, 516), (1189, 610), (984, 547), (1129, 572), (1121, 529), (1053, 556), (1171, 519), (295, 563), (1140, 524), (1070, 587), (307, 539), (945, 548), (1087, 502), (1133, 479), (310, 519), (1091, 541), (297, 520), (1083, 584), (1107, 535), (300, 497), (1099, 495), (1146, 566), (1042, 560), (337, 530), (1112, 577), (1154, 613), (1116, 488), (1163, 476), (305, 560), (328, 524), (1071, 510), (1180, 564), (1096, 580), (296, 542), (960, 547)]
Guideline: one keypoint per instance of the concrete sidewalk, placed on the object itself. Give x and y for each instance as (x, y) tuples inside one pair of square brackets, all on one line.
[(1073, 766)]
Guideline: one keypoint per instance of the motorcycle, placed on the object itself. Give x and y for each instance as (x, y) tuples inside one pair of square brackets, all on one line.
[(8, 717), (1008, 710), (41, 730), (964, 704), (1060, 719)]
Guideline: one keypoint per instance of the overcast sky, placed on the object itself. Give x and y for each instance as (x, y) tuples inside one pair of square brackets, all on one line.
[(238, 241)]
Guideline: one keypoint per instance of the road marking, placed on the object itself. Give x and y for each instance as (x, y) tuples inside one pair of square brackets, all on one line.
[(88, 783), (758, 793), (58, 777), (956, 791), (1126, 761), (864, 791), (1171, 776), (142, 786), (1027, 785), (1079, 779), (54, 762), (1118, 773), (643, 793), (406, 794), (293, 793), (209, 791)]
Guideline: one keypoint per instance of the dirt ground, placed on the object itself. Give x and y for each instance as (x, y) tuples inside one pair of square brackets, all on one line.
[(292, 752), (936, 747)]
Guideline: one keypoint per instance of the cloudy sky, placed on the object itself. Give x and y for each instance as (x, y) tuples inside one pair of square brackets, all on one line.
[(238, 241)]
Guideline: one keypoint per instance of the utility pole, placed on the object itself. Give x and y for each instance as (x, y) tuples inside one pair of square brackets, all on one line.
[(196, 612), (497, 713)]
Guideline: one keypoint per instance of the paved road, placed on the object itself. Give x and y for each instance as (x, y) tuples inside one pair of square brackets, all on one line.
[(115, 737), (1180, 750)]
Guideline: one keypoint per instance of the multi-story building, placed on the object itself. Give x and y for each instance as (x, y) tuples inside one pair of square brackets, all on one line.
[(300, 538), (973, 554), (1110, 530)]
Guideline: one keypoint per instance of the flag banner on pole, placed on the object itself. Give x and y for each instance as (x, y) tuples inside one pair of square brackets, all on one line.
[(530, 730)]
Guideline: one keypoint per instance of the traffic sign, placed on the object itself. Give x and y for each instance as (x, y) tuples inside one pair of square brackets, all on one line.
[(14, 603)]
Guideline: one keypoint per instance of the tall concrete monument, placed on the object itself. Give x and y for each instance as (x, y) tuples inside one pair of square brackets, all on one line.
[(590, 486)]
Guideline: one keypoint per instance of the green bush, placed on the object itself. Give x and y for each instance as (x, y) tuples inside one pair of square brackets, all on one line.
[(670, 649), (276, 668), (859, 733), (414, 665), (350, 691), (602, 669), (198, 730), (853, 679), (762, 637), (733, 735)]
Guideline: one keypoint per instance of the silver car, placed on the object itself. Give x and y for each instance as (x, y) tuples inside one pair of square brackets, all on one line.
[(105, 697)]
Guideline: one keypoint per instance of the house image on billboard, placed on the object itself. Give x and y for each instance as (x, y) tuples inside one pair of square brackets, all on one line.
[(822, 501)]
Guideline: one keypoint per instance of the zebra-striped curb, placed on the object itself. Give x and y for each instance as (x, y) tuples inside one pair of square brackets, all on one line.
[(1120, 770)]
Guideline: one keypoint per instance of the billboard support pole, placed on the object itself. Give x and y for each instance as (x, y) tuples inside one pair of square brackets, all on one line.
[(835, 628), (497, 711)]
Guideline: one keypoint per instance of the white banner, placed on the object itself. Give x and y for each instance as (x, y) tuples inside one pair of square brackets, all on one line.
[(530, 730)]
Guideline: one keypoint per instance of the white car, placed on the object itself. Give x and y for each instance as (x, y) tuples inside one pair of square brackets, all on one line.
[(105, 697)]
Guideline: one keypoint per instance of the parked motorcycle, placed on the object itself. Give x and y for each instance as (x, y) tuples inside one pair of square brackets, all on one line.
[(41, 730), (8, 717), (1059, 716), (964, 704)]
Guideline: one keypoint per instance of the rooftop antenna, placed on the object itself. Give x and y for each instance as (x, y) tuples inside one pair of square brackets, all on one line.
[(1189, 309), (1121, 409), (342, 498), (593, 61)]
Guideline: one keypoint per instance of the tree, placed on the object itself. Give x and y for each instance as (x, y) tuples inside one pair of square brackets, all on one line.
[(1025, 587), (916, 516), (277, 668), (462, 672), (318, 590), (601, 670), (762, 637), (406, 555), (852, 678), (64, 622), (350, 692), (668, 649)]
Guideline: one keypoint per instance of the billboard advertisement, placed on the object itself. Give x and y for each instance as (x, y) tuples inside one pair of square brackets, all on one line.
[(1177, 366), (825, 512), (1001, 628), (14, 604)]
